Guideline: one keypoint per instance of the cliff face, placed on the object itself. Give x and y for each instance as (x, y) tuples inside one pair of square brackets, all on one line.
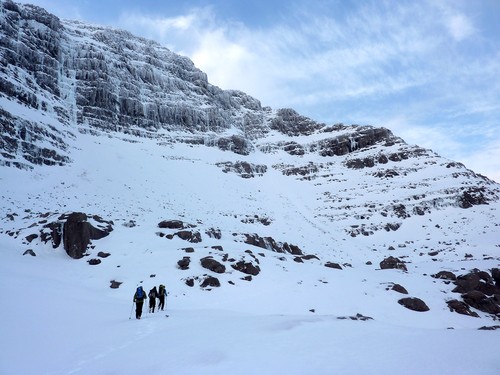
[(92, 79)]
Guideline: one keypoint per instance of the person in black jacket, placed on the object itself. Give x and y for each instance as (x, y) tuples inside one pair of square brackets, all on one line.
[(152, 299), (162, 293), (139, 297)]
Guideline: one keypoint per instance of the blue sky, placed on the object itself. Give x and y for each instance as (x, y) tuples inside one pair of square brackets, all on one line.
[(428, 70)]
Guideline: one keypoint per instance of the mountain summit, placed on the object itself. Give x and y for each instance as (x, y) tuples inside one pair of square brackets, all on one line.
[(122, 164)]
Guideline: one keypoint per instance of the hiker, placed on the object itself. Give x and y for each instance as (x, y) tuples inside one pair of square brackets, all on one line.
[(139, 298), (162, 293), (152, 299)]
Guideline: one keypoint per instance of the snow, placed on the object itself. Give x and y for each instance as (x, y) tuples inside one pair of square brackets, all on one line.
[(60, 316), (68, 321)]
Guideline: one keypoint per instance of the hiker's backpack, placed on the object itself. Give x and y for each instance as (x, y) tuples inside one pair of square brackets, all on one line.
[(140, 293), (161, 291)]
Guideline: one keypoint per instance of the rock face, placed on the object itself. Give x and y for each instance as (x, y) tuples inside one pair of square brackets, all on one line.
[(479, 290), (78, 232)]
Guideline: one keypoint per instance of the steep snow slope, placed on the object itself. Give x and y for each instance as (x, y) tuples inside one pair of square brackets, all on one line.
[(292, 317)]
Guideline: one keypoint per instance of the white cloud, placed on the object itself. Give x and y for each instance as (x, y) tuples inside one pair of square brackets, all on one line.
[(459, 26)]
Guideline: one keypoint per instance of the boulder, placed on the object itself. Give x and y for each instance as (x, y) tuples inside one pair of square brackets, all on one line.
[(184, 263), (171, 224), (94, 262), (115, 284), (446, 275), (400, 289), (31, 237), (333, 265), (212, 265), (78, 232), (189, 236), (393, 263), (246, 267), (30, 252), (210, 281), (413, 303)]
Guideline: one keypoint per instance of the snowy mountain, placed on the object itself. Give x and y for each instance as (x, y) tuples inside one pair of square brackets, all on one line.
[(286, 245)]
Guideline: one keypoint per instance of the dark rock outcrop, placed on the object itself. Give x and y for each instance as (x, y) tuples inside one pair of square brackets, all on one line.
[(212, 265), (482, 302), (30, 252), (461, 308), (399, 288), (446, 275), (115, 284), (243, 168), (187, 235), (210, 281), (479, 290), (183, 264), (413, 303), (393, 263), (270, 244), (246, 267), (78, 233), (173, 224), (333, 265)]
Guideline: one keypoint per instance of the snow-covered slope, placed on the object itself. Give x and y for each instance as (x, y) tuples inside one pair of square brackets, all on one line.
[(185, 174)]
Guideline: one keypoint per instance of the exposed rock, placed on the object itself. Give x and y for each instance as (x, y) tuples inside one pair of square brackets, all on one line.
[(270, 244), (400, 289), (190, 282), (31, 237), (461, 308), (358, 316), (309, 257), (77, 234), (481, 302), (94, 262), (446, 275), (413, 303), (210, 281), (333, 265), (473, 196), (115, 284), (184, 263), (489, 328), (212, 265), (52, 232), (102, 254), (189, 236), (495, 274), (214, 233), (172, 224), (30, 252), (393, 263), (243, 168), (246, 267)]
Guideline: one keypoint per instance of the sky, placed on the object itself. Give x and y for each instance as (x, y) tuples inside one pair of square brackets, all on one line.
[(429, 70)]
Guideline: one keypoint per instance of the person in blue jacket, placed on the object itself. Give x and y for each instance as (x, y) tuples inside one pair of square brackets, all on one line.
[(139, 297)]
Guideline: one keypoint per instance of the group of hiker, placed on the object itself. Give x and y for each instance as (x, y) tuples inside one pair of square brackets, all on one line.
[(140, 296)]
